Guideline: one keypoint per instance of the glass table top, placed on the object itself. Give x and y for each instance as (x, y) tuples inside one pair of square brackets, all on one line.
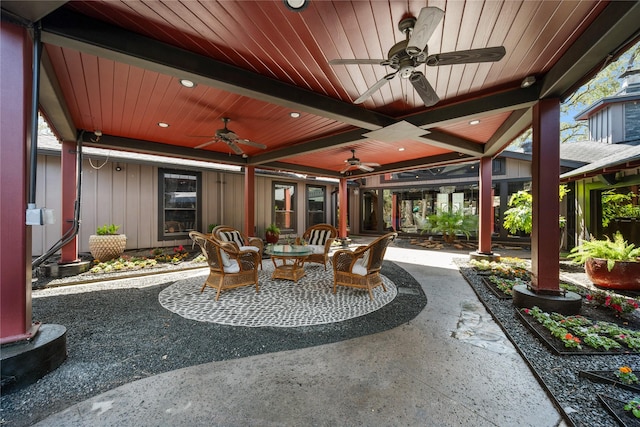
[(288, 250)]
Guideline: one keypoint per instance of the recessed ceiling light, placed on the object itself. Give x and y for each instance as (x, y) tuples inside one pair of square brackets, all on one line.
[(163, 124), (296, 5), (187, 83), (294, 114), (474, 122), (401, 149)]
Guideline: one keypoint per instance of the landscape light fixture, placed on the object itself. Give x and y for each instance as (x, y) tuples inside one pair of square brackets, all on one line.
[(296, 5)]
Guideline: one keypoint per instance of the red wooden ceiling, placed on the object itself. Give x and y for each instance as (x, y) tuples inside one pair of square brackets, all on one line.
[(105, 84)]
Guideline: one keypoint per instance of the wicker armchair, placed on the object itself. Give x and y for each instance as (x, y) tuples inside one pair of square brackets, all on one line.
[(226, 233), (229, 267), (361, 268), (319, 239)]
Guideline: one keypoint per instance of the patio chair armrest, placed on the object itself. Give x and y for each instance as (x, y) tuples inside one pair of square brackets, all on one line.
[(257, 242), (248, 260)]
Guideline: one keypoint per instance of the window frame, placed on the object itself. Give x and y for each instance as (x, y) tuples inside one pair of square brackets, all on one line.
[(293, 213), (184, 234)]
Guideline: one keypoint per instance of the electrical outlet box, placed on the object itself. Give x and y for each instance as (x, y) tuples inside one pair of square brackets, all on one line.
[(40, 216)]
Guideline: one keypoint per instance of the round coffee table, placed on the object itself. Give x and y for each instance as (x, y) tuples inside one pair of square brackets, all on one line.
[(288, 260)]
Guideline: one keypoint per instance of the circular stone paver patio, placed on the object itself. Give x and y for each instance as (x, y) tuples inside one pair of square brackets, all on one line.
[(280, 303)]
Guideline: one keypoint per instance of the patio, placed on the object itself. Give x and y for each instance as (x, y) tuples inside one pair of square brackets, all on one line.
[(406, 363)]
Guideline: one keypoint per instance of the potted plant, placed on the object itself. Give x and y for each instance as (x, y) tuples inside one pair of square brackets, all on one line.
[(450, 224), (612, 264), (272, 233), (107, 244)]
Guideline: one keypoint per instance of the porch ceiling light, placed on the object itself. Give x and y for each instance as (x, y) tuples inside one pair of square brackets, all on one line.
[(294, 114), (163, 124), (296, 5), (474, 122), (187, 83), (528, 81)]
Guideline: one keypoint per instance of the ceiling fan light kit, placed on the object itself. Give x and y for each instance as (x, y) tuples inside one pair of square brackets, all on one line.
[(412, 52)]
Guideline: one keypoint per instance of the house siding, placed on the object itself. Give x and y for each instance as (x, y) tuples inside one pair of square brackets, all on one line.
[(129, 198)]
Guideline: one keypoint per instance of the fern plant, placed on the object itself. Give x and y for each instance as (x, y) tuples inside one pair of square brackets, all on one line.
[(450, 224), (614, 250)]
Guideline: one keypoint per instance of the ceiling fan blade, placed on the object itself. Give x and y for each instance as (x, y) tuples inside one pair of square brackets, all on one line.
[(487, 54), (235, 148), (213, 141), (424, 88), (374, 88), (427, 22), (356, 61), (373, 165), (365, 168), (251, 143)]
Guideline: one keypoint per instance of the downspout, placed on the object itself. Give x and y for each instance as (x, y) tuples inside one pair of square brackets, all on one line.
[(35, 97), (72, 232)]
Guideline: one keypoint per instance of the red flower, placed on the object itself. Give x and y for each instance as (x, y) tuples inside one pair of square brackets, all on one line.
[(589, 297), (617, 307), (607, 300)]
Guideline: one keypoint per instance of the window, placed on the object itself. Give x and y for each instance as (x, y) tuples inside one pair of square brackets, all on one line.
[(315, 205), (284, 199), (179, 203)]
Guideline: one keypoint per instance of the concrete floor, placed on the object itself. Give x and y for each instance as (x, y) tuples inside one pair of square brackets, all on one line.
[(415, 374)]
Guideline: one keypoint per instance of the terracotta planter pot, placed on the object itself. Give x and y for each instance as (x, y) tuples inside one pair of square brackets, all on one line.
[(272, 237), (624, 275), (107, 247)]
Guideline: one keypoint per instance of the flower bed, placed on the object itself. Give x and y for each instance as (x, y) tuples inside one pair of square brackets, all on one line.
[(616, 407), (579, 334), (609, 377)]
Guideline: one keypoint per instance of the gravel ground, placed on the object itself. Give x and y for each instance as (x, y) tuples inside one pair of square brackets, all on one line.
[(121, 335), (106, 352), (576, 396)]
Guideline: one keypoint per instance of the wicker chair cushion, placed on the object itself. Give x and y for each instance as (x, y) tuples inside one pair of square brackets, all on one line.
[(319, 237), (360, 266), (250, 248), (232, 236), (233, 266), (316, 249), (226, 261)]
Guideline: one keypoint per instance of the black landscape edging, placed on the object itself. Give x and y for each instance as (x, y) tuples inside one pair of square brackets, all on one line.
[(608, 377), (615, 408)]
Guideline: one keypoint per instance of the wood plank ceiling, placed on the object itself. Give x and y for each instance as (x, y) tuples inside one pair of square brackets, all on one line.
[(115, 66)]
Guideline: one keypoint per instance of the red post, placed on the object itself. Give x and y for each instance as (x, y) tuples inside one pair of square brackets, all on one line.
[(545, 174), (69, 252), (342, 204), (485, 217), (15, 242), (249, 200)]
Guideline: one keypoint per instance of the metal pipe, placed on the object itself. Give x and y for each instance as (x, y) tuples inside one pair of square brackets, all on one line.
[(73, 231), (35, 95)]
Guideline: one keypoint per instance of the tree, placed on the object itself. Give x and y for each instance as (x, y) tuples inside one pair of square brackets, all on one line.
[(605, 83), (520, 213)]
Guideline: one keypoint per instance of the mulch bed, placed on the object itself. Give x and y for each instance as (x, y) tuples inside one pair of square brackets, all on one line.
[(616, 408)]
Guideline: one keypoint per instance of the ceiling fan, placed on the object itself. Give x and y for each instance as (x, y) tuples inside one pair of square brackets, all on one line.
[(354, 162), (412, 52), (230, 138)]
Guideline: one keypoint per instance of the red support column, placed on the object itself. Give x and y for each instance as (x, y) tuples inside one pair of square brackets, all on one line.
[(342, 204), (15, 244), (69, 252), (545, 173), (249, 200), (485, 217), (394, 212)]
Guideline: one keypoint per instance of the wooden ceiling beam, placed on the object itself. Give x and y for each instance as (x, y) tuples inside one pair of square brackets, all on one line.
[(610, 34), (75, 31)]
